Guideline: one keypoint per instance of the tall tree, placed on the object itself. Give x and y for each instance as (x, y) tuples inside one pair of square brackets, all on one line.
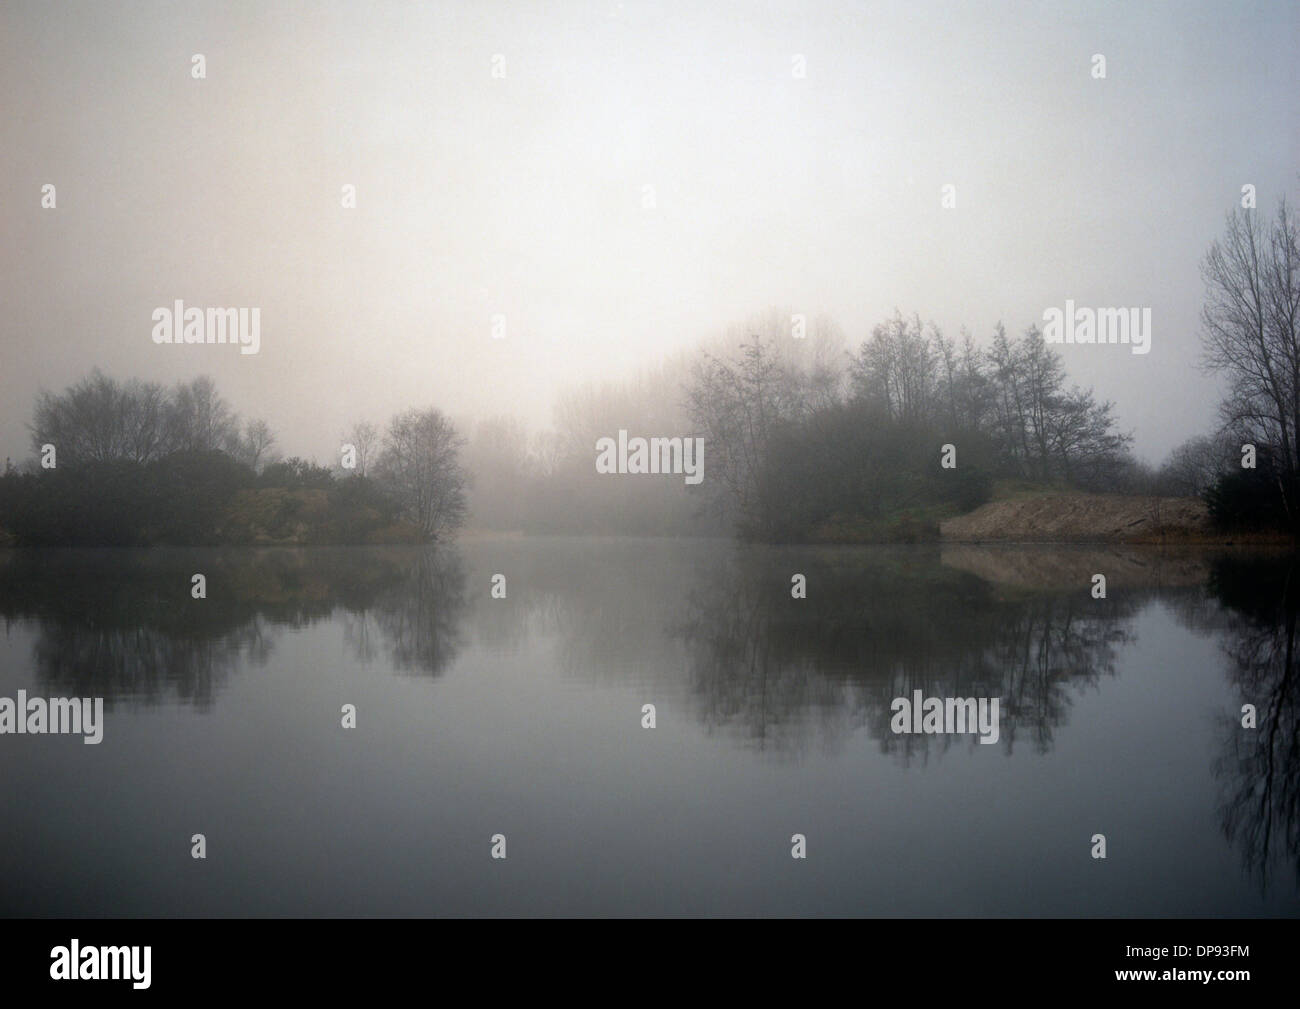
[(420, 467), (1249, 333), (199, 420), (736, 404), (100, 420), (363, 436), (255, 447)]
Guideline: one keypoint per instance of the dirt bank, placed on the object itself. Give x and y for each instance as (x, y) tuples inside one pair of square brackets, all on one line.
[(1080, 518)]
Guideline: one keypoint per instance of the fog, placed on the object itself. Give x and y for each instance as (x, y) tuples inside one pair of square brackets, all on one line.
[(524, 196)]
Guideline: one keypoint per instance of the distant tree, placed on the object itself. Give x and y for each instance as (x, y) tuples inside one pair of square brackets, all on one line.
[(102, 420), (296, 473), (497, 456), (254, 448), (1197, 463), (420, 468), (1010, 402), (364, 436), (1045, 412), (737, 403), (545, 453), (1042, 430), (898, 367), (199, 420), (1083, 440)]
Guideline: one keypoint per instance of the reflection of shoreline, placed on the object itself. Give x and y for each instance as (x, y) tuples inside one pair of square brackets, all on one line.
[(122, 624), (710, 628), (774, 670), (714, 631), (1055, 566)]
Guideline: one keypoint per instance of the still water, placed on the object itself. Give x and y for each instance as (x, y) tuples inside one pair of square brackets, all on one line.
[(523, 717)]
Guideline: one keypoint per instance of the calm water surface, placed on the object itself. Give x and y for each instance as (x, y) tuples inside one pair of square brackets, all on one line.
[(523, 717)]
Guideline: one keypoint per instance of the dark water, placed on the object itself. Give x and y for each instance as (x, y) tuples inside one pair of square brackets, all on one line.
[(523, 717)]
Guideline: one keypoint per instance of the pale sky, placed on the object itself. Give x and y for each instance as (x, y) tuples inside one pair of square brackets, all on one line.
[(522, 196)]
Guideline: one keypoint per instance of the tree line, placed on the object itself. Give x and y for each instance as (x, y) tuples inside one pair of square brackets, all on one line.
[(806, 438), (809, 447), (135, 463)]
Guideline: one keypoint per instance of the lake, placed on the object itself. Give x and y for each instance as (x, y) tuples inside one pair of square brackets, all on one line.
[(773, 716)]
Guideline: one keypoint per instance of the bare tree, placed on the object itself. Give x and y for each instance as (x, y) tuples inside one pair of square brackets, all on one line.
[(737, 404), (1249, 332), (254, 447), (1085, 447), (545, 453), (199, 420), (420, 467), (899, 367), (1195, 464), (1011, 424), (100, 419), (363, 436)]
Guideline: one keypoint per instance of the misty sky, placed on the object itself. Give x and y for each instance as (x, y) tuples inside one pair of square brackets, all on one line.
[(523, 196)]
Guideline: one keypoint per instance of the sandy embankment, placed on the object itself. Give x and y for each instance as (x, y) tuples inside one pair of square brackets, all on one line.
[(1080, 518)]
